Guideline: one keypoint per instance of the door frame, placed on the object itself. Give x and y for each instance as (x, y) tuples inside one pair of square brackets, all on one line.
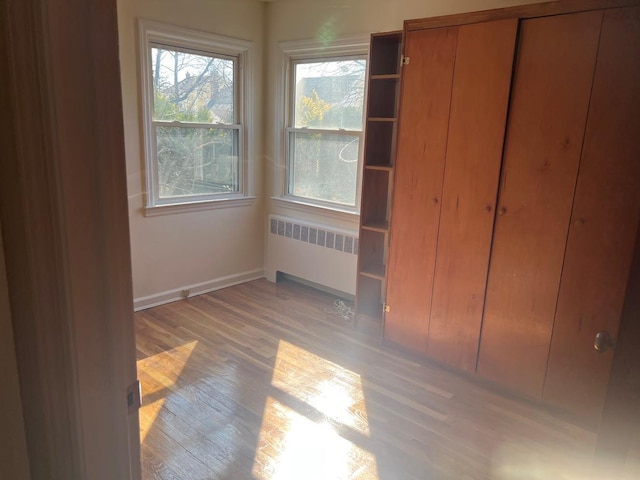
[(64, 218)]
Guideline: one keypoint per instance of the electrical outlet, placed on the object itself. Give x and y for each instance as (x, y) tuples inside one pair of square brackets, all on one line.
[(185, 293)]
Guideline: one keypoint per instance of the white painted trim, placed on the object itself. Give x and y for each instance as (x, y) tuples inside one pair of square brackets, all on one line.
[(171, 35), (315, 48), (306, 49), (216, 204), (323, 212), (169, 296)]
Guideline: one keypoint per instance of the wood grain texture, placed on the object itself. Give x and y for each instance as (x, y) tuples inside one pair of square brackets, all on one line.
[(545, 131), (382, 97), (482, 80), (379, 144), (375, 197), (422, 141), (379, 153), (371, 253), (385, 52), (604, 223), (619, 432), (524, 11), (369, 298), (258, 381)]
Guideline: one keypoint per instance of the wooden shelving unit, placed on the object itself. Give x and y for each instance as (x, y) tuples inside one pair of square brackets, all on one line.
[(379, 152)]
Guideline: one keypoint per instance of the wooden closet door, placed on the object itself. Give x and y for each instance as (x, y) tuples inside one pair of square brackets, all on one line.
[(604, 223), (422, 141), (481, 86), (545, 130)]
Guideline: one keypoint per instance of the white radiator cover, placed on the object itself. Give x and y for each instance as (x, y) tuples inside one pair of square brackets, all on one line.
[(314, 252)]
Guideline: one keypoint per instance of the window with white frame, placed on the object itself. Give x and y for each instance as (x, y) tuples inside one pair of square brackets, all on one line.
[(193, 90), (324, 124)]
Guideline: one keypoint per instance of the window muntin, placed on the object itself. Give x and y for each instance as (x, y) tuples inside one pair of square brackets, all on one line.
[(324, 136), (197, 111), (197, 135)]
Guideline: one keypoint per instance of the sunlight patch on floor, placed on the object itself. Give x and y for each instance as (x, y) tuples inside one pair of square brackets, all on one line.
[(163, 370), (292, 447), (331, 389)]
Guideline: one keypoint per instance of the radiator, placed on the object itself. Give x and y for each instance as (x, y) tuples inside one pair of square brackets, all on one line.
[(317, 253)]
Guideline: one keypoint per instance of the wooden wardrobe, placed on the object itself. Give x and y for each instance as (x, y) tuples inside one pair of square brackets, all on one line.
[(516, 198)]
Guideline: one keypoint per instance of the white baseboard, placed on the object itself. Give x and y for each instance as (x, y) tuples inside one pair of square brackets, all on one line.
[(169, 296)]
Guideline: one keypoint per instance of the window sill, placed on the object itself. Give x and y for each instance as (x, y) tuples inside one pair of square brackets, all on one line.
[(170, 209), (335, 213)]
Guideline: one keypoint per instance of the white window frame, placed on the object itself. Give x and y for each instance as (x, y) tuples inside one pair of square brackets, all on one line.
[(152, 34), (293, 52)]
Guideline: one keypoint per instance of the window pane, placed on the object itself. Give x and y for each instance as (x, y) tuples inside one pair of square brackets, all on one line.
[(197, 161), (192, 88), (330, 94), (324, 166)]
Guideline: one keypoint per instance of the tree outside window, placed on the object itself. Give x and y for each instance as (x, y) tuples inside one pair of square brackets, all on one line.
[(325, 132), (196, 97), (194, 120)]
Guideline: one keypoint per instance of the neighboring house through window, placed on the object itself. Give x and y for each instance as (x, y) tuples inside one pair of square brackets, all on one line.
[(325, 101), (194, 94)]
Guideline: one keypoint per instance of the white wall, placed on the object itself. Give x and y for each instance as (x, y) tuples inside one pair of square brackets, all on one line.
[(304, 19), (198, 249), (211, 248)]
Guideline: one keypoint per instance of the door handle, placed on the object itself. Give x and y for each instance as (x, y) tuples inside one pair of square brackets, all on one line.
[(603, 341)]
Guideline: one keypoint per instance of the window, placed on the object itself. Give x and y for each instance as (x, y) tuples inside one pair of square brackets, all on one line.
[(195, 140), (324, 124)]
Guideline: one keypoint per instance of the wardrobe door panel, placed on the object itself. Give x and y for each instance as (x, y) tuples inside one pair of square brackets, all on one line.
[(422, 141), (604, 223), (545, 131), (481, 85)]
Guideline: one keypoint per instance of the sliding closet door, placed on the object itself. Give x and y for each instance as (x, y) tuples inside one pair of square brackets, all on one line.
[(422, 141), (545, 131), (603, 224), (481, 85), (453, 113)]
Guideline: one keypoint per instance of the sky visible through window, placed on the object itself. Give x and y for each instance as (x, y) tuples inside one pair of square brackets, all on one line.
[(192, 88), (329, 95)]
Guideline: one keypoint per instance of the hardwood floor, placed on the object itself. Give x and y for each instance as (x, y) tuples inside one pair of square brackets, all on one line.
[(259, 381)]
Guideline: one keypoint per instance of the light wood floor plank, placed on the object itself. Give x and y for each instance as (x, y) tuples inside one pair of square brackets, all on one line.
[(260, 381)]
